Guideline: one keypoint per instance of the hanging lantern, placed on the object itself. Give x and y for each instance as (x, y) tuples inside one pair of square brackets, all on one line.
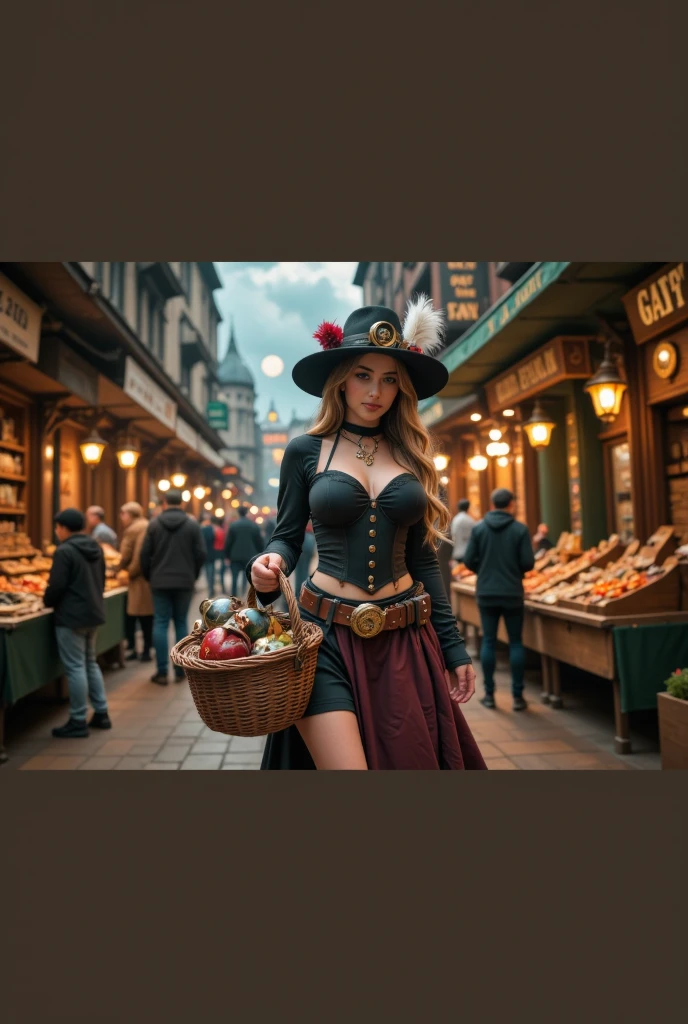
[(128, 452), (178, 479), (606, 388), (441, 462), (164, 485), (199, 492), (502, 461), (494, 449), (539, 428), (495, 435), (92, 449), (478, 463)]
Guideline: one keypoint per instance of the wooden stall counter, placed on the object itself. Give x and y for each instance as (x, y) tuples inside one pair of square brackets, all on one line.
[(631, 649), (28, 651)]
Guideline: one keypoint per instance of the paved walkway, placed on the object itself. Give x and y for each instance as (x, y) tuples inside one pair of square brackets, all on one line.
[(158, 729)]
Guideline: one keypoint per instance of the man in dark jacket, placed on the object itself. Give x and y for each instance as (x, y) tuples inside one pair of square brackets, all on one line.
[(172, 556), (500, 552), (244, 540), (75, 591)]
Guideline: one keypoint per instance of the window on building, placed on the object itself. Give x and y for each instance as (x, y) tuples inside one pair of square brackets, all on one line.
[(185, 381), (117, 285), (98, 273), (185, 269), (156, 321)]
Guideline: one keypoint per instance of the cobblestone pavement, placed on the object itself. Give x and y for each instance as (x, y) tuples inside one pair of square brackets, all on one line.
[(158, 729)]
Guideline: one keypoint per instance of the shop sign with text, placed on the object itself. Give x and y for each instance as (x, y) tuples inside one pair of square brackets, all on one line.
[(20, 320), (659, 303), (139, 386), (465, 293), (560, 359)]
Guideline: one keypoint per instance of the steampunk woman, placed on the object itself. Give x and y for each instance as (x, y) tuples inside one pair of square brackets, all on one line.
[(392, 669)]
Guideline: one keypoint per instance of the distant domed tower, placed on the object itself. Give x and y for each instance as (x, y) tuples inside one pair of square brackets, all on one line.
[(236, 388)]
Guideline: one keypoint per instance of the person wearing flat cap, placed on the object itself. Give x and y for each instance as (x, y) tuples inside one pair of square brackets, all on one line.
[(75, 593), (392, 669), (139, 596), (501, 553)]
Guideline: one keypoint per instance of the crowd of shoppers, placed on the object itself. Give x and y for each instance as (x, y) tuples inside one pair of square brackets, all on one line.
[(163, 556)]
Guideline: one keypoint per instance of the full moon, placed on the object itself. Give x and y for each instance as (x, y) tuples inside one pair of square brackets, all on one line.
[(272, 366)]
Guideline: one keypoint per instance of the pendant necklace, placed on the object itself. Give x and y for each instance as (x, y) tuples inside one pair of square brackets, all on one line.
[(363, 453)]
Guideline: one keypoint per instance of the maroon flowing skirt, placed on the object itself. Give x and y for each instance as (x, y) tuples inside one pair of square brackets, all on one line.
[(396, 685)]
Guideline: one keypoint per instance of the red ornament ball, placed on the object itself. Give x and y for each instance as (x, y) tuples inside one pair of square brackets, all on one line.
[(223, 645)]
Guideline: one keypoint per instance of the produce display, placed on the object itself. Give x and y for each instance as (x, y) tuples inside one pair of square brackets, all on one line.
[(231, 630)]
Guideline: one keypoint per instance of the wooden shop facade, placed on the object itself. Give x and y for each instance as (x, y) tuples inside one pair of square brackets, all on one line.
[(88, 416), (572, 391)]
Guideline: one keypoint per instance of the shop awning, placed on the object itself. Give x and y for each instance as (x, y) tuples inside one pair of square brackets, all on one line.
[(551, 299)]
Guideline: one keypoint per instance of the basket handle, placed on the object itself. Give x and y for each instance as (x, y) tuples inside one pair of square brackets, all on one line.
[(294, 615)]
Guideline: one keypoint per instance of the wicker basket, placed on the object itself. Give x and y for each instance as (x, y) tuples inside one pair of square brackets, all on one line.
[(259, 694)]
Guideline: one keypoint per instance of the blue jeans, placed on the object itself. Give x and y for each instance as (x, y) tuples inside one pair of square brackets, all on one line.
[(210, 573), (239, 583), (169, 605), (77, 648), (513, 622)]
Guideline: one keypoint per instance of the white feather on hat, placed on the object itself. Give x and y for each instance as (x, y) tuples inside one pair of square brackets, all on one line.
[(423, 325)]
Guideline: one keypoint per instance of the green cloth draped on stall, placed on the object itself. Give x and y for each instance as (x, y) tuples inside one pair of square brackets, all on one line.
[(645, 657), (28, 651)]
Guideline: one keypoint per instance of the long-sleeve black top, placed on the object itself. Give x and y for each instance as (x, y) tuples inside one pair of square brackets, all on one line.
[(369, 542)]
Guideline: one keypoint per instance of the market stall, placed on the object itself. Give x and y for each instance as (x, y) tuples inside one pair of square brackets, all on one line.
[(618, 612)]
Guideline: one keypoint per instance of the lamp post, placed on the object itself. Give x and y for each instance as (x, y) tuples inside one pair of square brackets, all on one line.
[(539, 428), (606, 388)]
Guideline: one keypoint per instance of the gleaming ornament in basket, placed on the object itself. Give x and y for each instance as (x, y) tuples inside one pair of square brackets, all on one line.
[(258, 694)]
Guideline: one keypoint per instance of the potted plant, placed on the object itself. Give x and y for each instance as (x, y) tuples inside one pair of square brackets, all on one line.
[(673, 721)]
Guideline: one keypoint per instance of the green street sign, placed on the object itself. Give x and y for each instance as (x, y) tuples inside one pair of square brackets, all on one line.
[(218, 415)]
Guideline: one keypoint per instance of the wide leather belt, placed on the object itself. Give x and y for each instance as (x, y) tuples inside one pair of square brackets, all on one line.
[(367, 619)]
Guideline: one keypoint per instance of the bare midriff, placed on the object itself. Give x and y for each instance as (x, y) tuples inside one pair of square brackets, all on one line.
[(350, 591)]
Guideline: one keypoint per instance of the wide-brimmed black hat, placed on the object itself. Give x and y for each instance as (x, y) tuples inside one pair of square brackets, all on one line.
[(377, 329)]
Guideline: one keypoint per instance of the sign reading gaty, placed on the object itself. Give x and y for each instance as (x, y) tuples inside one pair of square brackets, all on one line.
[(659, 303), (20, 320), (465, 293), (560, 359)]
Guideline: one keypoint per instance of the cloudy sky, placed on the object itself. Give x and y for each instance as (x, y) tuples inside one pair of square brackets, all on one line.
[(276, 307)]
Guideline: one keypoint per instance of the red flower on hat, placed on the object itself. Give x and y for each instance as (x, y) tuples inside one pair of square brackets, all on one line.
[(329, 335), (415, 348)]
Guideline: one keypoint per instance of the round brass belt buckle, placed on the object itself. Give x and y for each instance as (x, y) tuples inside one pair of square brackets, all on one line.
[(367, 620)]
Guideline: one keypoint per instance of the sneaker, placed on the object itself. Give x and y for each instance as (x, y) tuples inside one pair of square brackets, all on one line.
[(131, 656), (71, 730), (160, 678), (488, 701), (100, 720), (520, 704)]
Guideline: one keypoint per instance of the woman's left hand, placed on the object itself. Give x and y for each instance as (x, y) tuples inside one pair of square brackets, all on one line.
[(461, 683)]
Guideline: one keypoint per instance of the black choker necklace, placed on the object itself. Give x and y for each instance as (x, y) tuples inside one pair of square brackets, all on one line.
[(361, 431)]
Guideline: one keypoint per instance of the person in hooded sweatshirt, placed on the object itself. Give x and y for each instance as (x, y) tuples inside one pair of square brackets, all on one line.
[(75, 592), (172, 556), (501, 553)]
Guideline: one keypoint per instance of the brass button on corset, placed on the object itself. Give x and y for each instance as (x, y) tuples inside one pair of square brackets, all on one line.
[(371, 565), (371, 586), (373, 504), (371, 579), (373, 519), (372, 548), (372, 533)]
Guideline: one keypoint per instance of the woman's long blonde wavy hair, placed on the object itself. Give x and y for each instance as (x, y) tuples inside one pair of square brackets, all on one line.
[(405, 432)]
